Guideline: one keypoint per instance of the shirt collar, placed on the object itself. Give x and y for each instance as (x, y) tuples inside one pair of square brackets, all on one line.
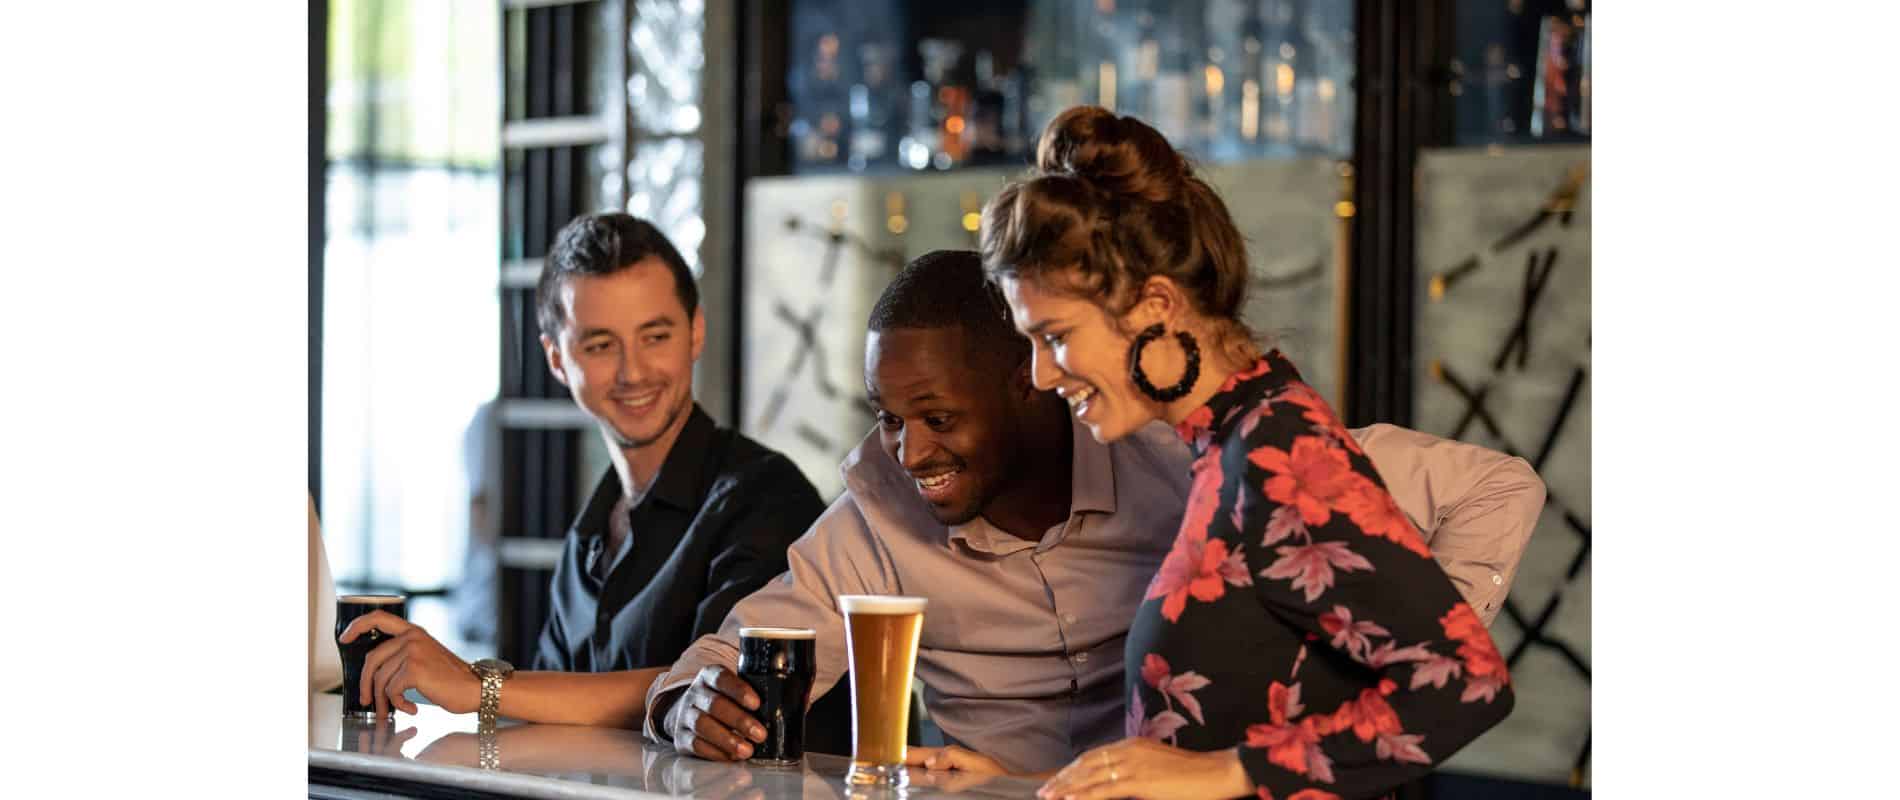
[(1241, 391), (683, 471), (1092, 485), (677, 484)]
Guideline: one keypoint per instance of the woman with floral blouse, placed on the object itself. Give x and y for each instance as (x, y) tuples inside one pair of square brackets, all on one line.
[(1299, 641)]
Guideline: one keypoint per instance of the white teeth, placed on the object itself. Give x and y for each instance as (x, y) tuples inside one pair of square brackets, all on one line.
[(936, 482), (640, 401), (1079, 397)]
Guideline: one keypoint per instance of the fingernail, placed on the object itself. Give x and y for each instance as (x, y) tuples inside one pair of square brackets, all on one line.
[(758, 733), (745, 750)]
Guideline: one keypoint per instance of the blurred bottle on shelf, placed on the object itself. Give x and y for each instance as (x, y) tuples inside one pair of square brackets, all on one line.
[(817, 130), (1559, 96), (872, 107)]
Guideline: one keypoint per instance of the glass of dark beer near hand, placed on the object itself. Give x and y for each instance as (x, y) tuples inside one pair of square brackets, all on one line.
[(777, 662), (348, 608), (881, 634)]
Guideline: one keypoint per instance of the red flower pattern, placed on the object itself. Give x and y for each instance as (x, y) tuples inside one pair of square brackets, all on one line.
[(1375, 512), (1480, 654), (1307, 508), (1314, 477)]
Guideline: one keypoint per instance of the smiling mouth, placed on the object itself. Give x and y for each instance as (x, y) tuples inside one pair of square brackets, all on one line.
[(639, 402), (937, 487), (1079, 401)]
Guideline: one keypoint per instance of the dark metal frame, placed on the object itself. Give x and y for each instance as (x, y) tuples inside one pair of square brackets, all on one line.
[(318, 82), (759, 150), (1403, 47)]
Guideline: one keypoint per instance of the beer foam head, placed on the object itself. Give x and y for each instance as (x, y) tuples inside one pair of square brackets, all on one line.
[(371, 599), (880, 604), (778, 633)]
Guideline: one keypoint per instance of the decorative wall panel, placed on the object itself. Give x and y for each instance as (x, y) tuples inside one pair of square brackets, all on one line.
[(1504, 349), (819, 250)]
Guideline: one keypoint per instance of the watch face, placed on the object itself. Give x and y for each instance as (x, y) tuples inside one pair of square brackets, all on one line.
[(494, 666)]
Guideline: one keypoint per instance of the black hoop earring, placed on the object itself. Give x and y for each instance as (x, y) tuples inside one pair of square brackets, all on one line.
[(1189, 347)]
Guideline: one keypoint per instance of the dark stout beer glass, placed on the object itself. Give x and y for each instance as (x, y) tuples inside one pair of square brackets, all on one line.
[(778, 663), (348, 608)]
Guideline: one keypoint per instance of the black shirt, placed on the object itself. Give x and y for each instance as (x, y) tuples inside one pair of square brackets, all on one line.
[(712, 529)]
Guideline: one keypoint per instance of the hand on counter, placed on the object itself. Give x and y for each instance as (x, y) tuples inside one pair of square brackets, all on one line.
[(951, 769), (412, 659), (1140, 767), (953, 758), (708, 718)]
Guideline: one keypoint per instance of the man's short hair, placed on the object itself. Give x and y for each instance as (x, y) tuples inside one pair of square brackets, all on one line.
[(603, 244), (947, 288)]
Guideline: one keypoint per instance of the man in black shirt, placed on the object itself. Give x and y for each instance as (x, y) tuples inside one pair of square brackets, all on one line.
[(690, 519)]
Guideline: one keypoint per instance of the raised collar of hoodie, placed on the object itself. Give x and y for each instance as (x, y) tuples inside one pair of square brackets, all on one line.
[(887, 495)]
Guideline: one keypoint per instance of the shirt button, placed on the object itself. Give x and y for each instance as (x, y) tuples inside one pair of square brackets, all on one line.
[(1497, 580), (1081, 658)]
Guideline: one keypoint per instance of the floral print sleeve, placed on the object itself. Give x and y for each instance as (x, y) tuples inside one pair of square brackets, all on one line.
[(1300, 616)]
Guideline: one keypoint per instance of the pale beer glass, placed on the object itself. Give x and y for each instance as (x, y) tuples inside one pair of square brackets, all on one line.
[(881, 635)]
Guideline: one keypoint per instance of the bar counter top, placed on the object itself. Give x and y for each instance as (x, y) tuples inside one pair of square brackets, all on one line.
[(434, 753)]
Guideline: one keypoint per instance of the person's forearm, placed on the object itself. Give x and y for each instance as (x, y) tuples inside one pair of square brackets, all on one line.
[(601, 699)]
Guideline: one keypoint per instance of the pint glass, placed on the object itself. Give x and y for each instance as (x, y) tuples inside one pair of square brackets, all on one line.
[(348, 608), (881, 640), (778, 663)]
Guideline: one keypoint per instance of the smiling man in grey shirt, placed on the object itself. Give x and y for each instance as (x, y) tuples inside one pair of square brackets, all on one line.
[(1032, 541)]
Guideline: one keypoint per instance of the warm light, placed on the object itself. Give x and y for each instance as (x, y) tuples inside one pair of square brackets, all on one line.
[(1215, 80), (1343, 209), (1326, 88), (837, 212), (1249, 109), (897, 224), (1106, 76), (1438, 290), (1283, 80), (971, 221), (954, 124)]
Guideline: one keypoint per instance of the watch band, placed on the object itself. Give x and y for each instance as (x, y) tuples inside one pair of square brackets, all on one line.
[(491, 697)]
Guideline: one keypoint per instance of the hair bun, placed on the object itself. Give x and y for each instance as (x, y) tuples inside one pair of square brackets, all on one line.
[(1115, 154)]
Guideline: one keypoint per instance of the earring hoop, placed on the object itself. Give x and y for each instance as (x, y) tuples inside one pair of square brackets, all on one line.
[(1189, 348)]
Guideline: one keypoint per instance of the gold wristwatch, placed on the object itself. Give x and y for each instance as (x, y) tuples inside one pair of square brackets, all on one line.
[(492, 671)]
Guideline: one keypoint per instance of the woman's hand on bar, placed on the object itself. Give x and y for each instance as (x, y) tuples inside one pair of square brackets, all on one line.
[(412, 659), (1139, 767)]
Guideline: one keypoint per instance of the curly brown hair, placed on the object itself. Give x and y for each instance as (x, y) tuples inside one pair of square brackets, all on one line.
[(1112, 200)]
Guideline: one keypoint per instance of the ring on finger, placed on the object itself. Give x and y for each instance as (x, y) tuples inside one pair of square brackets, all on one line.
[(1112, 777)]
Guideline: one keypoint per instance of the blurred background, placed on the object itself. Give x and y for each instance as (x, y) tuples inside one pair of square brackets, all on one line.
[(1413, 178)]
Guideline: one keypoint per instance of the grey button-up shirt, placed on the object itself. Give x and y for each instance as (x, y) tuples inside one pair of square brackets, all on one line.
[(1021, 651)]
